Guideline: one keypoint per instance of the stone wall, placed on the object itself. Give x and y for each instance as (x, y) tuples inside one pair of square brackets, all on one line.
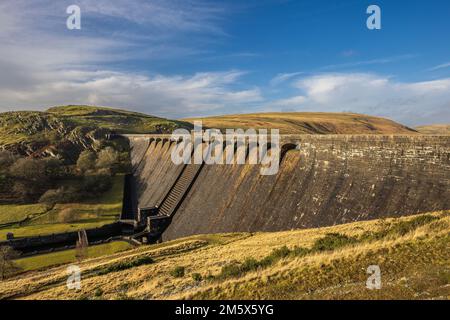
[(153, 171), (60, 240)]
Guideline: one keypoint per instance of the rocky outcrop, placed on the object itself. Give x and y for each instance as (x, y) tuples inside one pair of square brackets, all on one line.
[(41, 134), (65, 131)]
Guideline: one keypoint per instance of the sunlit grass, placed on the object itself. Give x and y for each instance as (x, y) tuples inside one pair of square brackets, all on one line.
[(322, 263), (13, 212), (306, 123)]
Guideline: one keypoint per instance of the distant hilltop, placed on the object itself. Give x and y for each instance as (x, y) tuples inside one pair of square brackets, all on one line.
[(434, 129), (308, 123), (65, 131)]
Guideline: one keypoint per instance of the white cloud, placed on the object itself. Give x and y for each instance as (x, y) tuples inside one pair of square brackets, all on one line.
[(282, 77), (162, 95), (44, 64), (441, 66), (349, 53), (288, 102), (369, 62), (410, 103)]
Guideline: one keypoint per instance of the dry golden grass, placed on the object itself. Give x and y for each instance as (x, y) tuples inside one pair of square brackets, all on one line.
[(308, 123), (414, 263), (439, 129)]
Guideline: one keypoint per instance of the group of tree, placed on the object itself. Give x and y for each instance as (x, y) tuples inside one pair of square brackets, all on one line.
[(93, 176), (26, 178), (104, 162), (50, 180)]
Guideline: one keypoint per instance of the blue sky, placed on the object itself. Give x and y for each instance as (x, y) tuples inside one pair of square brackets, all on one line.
[(193, 57)]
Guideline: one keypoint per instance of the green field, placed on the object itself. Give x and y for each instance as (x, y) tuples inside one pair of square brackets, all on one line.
[(68, 256), (88, 214), (10, 213)]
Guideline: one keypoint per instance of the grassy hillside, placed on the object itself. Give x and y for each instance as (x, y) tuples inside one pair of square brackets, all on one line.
[(434, 129), (60, 129), (308, 123), (330, 263)]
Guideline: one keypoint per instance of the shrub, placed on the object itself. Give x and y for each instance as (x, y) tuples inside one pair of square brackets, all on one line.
[(126, 265), (86, 161), (24, 190), (230, 270), (280, 253), (178, 272), (404, 227), (98, 292), (60, 195), (400, 228), (6, 159), (53, 168), (332, 241), (67, 215), (250, 264), (197, 277), (300, 251), (28, 169), (51, 196), (107, 158), (97, 183)]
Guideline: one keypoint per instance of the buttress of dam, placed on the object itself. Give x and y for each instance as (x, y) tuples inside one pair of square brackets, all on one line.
[(327, 180)]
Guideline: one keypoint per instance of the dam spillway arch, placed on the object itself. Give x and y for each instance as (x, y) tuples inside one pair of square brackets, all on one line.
[(328, 180)]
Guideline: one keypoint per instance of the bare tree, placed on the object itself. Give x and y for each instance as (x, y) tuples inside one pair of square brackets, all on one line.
[(7, 265), (82, 246)]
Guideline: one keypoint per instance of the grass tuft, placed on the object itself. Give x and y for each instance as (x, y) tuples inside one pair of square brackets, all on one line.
[(124, 265), (333, 241), (178, 272)]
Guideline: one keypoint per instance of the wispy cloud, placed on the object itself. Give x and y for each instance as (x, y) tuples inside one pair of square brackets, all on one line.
[(369, 62), (441, 66), (164, 15), (292, 102), (349, 53), (282, 77)]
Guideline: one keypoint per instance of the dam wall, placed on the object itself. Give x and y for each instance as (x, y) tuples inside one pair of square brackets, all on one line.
[(153, 171), (326, 180)]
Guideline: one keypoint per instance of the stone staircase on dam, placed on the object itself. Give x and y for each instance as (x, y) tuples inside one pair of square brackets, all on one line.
[(178, 191), (153, 221)]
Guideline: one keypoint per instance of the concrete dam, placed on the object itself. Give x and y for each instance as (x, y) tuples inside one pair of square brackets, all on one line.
[(323, 180)]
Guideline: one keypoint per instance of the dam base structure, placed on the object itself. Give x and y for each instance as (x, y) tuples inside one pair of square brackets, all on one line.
[(323, 180)]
